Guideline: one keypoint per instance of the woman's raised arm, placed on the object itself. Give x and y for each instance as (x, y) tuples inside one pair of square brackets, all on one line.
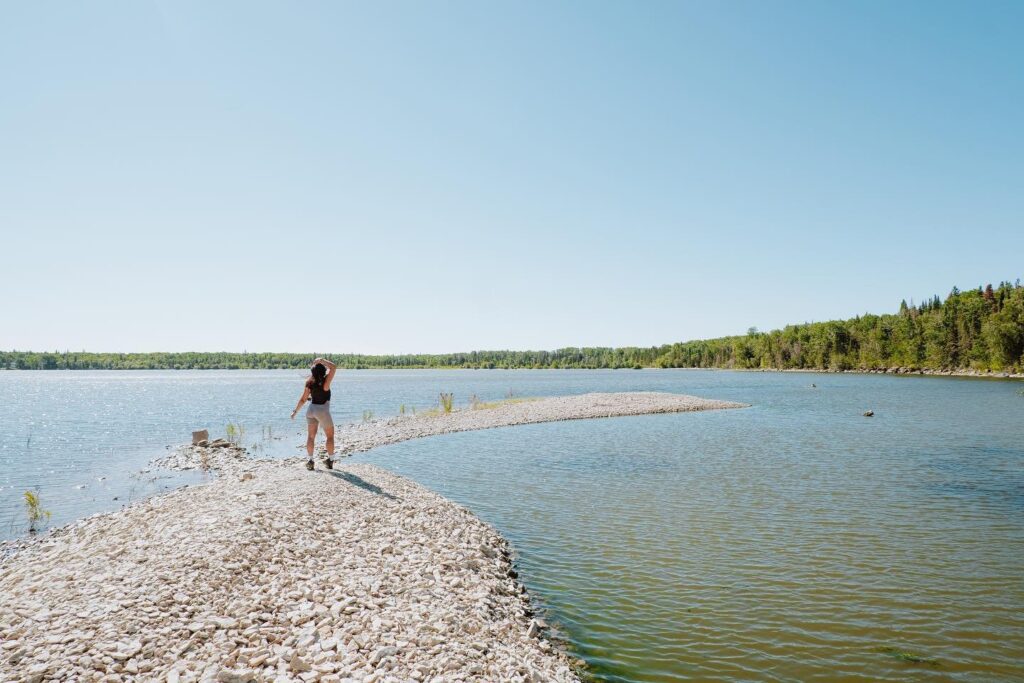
[(331, 369)]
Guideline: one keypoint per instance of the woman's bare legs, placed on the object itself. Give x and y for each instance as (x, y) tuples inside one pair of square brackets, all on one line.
[(311, 427), (329, 432)]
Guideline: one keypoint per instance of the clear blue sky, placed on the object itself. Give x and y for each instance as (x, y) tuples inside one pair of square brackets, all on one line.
[(428, 177)]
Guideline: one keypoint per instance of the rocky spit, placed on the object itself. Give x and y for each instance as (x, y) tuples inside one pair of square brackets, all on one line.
[(273, 573), (360, 437)]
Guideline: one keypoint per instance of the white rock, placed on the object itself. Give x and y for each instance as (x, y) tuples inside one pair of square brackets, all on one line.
[(236, 675), (383, 652), (534, 629), (297, 664)]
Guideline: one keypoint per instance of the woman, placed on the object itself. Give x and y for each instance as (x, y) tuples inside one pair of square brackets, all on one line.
[(318, 389)]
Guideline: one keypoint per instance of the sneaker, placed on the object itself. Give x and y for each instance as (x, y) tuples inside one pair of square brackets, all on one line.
[(309, 464), (329, 464)]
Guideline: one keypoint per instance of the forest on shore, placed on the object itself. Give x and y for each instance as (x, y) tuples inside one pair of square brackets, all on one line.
[(977, 329)]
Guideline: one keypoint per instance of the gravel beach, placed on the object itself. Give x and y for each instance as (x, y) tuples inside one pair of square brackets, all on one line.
[(273, 573), (360, 437)]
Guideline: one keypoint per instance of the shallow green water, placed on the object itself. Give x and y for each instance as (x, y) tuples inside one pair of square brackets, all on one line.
[(796, 540)]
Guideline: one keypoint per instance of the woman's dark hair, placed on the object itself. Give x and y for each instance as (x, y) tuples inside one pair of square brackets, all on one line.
[(319, 372)]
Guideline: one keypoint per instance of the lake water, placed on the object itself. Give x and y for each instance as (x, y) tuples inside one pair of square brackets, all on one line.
[(795, 540)]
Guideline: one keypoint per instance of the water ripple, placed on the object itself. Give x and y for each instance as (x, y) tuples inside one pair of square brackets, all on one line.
[(793, 541)]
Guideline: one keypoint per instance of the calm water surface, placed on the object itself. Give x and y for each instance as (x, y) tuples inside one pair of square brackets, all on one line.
[(795, 540)]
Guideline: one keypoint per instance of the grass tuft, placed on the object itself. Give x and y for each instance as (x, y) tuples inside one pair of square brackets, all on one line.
[(446, 404), (35, 512), (235, 432)]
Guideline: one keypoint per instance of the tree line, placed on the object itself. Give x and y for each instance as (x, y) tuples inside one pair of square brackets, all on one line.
[(979, 329)]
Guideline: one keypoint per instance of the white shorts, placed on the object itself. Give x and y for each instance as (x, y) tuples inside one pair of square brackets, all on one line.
[(320, 414)]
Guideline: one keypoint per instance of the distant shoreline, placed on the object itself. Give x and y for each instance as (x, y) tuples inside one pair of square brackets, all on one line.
[(974, 328), (899, 372)]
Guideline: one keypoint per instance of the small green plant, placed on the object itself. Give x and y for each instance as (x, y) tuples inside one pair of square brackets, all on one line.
[(474, 402), (235, 432), (35, 512), (401, 409), (446, 401), (367, 416), (490, 405), (905, 656)]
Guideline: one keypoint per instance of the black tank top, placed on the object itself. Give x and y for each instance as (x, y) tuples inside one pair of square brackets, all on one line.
[(319, 395)]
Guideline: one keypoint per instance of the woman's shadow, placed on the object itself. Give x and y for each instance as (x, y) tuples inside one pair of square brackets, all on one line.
[(361, 483)]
